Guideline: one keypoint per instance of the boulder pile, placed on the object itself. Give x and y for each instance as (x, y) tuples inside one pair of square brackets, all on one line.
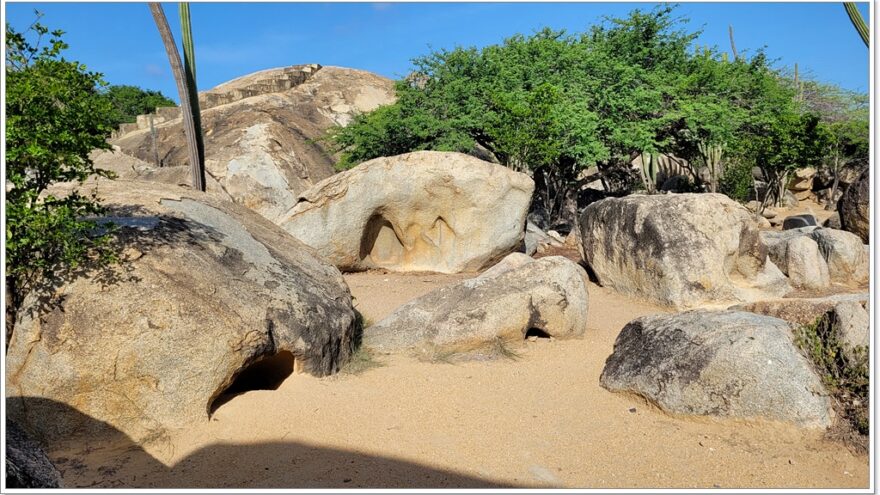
[(263, 134)]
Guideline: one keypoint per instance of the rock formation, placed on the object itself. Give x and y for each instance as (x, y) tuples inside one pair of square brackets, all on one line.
[(680, 250), (263, 133), (547, 297), (800, 311), (813, 257), (421, 211), (205, 289), (26, 464), (854, 207), (718, 363)]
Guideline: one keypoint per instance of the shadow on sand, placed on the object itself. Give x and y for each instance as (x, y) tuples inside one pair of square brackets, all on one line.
[(107, 458)]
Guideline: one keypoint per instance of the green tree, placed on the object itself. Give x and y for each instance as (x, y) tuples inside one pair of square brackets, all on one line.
[(709, 97), (552, 104), (549, 104), (845, 115), (55, 118), (130, 101)]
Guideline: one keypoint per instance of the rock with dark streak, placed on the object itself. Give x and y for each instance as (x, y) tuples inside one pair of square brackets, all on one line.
[(718, 363), (205, 288)]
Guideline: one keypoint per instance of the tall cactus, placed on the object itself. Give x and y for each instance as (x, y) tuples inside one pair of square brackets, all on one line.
[(712, 154), (187, 103), (648, 168), (732, 44), (189, 67), (154, 140), (858, 21)]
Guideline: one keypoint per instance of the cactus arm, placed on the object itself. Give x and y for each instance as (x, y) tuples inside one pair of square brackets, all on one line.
[(732, 44), (858, 21), (189, 67)]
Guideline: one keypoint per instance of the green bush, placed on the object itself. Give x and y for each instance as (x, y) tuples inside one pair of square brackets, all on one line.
[(736, 182), (55, 118), (845, 374)]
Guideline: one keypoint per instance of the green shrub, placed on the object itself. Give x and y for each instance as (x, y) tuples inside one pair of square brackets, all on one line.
[(55, 118), (737, 182), (845, 374)]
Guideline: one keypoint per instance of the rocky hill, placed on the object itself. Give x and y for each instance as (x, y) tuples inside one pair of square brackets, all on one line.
[(262, 133)]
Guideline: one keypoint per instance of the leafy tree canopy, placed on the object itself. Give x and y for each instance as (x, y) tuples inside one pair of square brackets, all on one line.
[(130, 101), (552, 104)]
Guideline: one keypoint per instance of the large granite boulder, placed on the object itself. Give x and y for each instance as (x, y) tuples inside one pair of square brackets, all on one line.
[(547, 297), (718, 363), (263, 133), (842, 256), (26, 464), (422, 211), (206, 289), (854, 207), (681, 250)]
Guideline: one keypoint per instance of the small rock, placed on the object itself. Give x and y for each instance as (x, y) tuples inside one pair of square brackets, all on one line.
[(632, 409), (833, 222), (798, 221), (131, 254)]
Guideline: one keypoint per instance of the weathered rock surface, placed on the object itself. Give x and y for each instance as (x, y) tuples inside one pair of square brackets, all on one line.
[(842, 253), (802, 180), (848, 260), (263, 146), (854, 207), (536, 240), (680, 250), (852, 323), (803, 263), (507, 301), (128, 167), (206, 289), (800, 311), (26, 464), (421, 211), (833, 222), (718, 363)]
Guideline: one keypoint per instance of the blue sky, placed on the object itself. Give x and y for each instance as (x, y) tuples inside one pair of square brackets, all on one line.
[(233, 39)]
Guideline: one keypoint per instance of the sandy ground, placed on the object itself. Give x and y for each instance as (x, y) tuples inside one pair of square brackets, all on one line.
[(538, 421)]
